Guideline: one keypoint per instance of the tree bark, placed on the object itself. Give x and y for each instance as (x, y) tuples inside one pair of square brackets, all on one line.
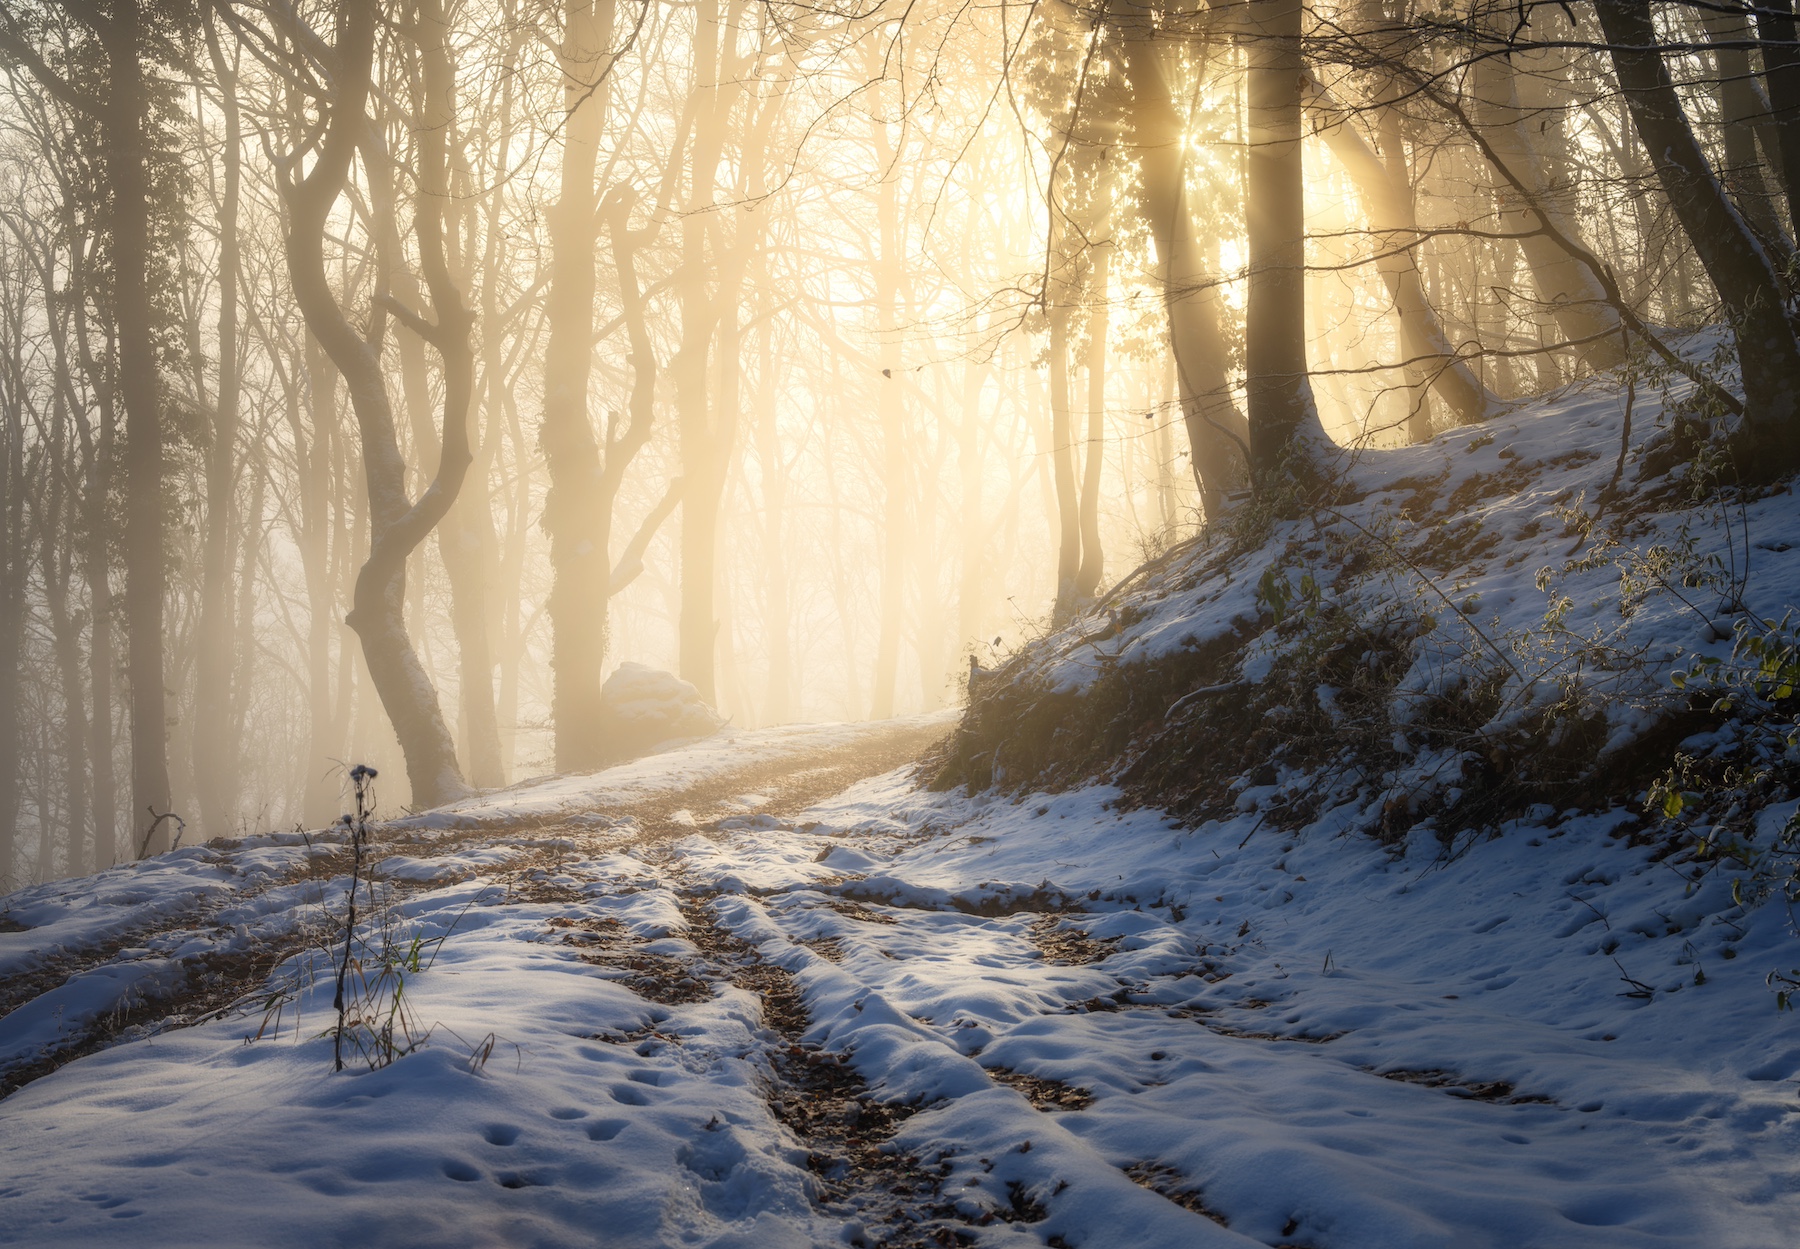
[(706, 434), (397, 525), (1776, 31), (1740, 270), (890, 411), (1099, 279), (1062, 469), (437, 223), (574, 517), (1217, 435), (123, 117), (14, 568), (215, 745), (1744, 115), (65, 630), (313, 457), (1278, 394), (972, 594), (97, 478), (778, 699)]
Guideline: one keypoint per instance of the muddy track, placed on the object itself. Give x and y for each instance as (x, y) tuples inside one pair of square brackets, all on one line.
[(790, 785), (819, 1097), (213, 983), (891, 1198)]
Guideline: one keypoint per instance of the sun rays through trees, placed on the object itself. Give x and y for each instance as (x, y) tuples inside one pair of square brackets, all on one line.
[(376, 376)]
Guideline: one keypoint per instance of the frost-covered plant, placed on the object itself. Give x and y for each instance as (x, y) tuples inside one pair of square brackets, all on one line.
[(1715, 795)]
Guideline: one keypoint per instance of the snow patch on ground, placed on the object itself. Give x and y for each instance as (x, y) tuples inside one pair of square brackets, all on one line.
[(1553, 1039)]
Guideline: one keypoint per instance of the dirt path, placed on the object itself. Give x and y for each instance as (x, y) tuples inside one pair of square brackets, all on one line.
[(811, 1092), (551, 870), (209, 985), (788, 785)]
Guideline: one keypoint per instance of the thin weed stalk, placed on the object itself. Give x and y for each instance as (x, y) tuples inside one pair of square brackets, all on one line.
[(360, 777)]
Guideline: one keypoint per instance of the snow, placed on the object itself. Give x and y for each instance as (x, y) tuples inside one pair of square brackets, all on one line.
[(1481, 534), (1668, 1121), (1234, 1033), (645, 706), (1112, 1030), (591, 795)]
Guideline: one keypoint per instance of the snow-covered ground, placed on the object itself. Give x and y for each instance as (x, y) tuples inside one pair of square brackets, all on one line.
[(1318, 1043), (724, 996)]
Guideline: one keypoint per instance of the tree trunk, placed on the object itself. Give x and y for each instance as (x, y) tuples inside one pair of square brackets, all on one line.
[(891, 415), (1062, 468), (65, 630), (97, 475), (14, 563), (778, 700), (313, 458), (1743, 112), (1165, 452), (1427, 356), (126, 143), (461, 532), (1777, 33), (397, 525), (1564, 286), (972, 594), (698, 626), (1768, 356), (1278, 393), (1216, 432), (1100, 249), (215, 745), (574, 517)]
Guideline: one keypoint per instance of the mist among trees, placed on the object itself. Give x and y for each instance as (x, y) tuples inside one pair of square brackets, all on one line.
[(376, 376)]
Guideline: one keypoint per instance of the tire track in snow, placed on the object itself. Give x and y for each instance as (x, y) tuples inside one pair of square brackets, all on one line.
[(191, 986)]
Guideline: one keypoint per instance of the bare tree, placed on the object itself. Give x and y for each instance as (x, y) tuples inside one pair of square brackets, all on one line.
[(397, 524)]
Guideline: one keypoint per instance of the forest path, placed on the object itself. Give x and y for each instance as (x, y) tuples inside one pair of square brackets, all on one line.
[(765, 990), (163, 943)]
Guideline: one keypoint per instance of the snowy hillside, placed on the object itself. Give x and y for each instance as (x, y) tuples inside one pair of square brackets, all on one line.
[(1414, 968)]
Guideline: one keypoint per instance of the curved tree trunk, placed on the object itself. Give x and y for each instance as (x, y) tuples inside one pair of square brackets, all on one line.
[(397, 525), (1768, 355), (1428, 357)]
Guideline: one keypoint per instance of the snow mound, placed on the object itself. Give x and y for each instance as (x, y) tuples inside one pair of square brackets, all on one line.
[(645, 707)]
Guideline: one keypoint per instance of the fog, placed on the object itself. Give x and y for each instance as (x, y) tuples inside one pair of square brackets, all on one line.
[(384, 373)]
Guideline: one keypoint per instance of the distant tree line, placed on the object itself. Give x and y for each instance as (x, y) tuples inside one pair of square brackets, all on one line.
[(821, 343)]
